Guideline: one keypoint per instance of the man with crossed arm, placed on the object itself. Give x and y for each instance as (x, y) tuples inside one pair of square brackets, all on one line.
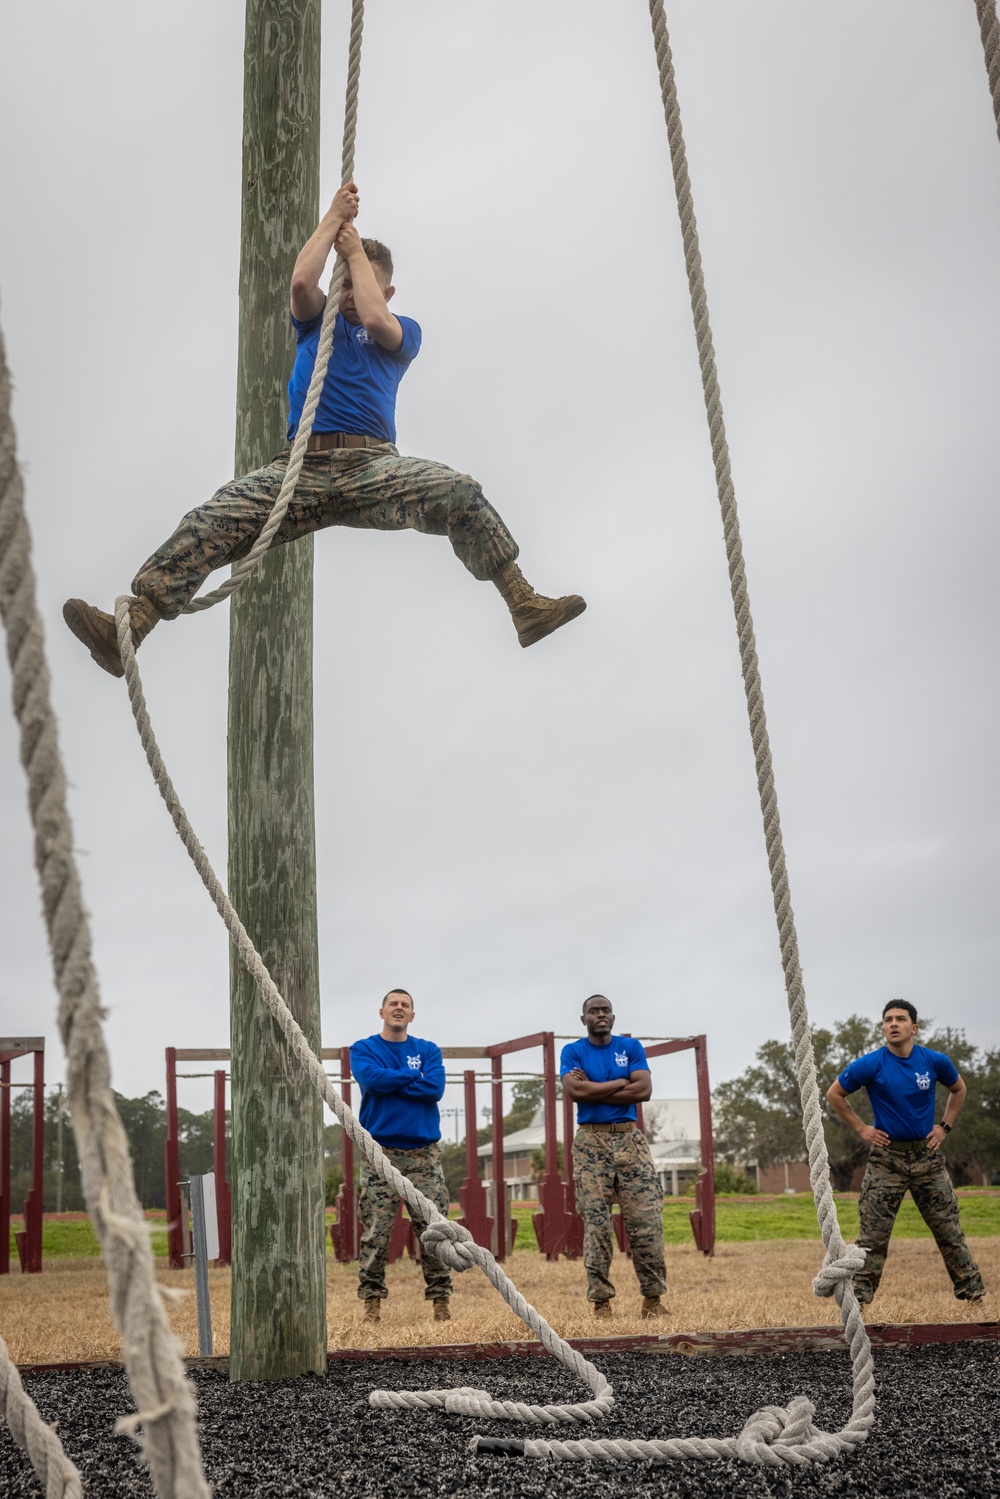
[(606, 1076), (401, 1080)]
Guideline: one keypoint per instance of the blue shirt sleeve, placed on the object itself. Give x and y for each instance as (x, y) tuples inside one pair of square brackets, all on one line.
[(637, 1057), (859, 1072), (412, 339), (567, 1059), (372, 1075), (944, 1069), (303, 329), (429, 1082)]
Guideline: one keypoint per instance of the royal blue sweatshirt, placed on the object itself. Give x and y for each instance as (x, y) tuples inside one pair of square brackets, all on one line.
[(401, 1082)]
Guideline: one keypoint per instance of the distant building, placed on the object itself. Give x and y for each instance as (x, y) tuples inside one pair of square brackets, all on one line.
[(675, 1146)]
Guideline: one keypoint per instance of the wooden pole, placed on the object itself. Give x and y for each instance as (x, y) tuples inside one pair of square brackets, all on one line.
[(279, 1265)]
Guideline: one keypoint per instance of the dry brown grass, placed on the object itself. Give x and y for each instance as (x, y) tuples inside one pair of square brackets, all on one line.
[(62, 1316)]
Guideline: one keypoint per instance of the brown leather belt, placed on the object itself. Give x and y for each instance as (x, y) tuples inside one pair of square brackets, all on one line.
[(613, 1126), (319, 442)]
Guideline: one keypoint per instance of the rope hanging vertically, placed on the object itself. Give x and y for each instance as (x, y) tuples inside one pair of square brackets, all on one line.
[(773, 1435), (989, 30), (162, 1392)]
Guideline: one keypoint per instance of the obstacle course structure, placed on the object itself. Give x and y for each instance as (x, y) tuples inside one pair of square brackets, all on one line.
[(485, 1200), (28, 1240)]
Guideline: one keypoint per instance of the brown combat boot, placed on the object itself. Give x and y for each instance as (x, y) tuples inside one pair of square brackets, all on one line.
[(651, 1307), (534, 616), (97, 629), (602, 1311), (373, 1309), (442, 1311)]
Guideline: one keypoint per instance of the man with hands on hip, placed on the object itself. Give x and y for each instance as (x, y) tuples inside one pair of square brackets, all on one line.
[(900, 1079)]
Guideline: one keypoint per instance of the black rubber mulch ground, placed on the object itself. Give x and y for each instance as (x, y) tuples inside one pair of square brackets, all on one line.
[(937, 1428)]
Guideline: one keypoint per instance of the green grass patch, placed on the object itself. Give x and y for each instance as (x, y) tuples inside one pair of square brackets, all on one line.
[(738, 1220)]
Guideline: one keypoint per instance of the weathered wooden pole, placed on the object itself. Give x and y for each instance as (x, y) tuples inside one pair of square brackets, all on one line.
[(279, 1263)]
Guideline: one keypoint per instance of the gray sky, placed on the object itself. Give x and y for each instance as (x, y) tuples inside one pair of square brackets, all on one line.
[(504, 832)]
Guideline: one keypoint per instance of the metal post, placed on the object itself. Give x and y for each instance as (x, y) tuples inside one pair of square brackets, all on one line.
[(5, 1166), (219, 1167), (705, 1186), (196, 1187), (347, 1197), (472, 1193), (501, 1227), (60, 1113), (35, 1200), (172, 1170), (550, 1222)]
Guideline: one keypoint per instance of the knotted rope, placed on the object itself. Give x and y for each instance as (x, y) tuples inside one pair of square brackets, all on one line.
[(989, 30), (242, 570), (152, 1354)]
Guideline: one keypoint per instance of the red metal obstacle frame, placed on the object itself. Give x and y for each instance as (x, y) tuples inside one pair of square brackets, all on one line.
[(558, 1226), (29, 1241), (567, 1235)]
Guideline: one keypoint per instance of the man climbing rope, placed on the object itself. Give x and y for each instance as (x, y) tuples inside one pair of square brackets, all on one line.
[(905, 1142), (352, 474), (401, 1080), (606, 1076)]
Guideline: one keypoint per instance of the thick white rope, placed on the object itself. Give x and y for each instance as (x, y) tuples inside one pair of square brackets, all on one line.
[(242, 570), (59, 1477), (152, 1354), (989, 30)]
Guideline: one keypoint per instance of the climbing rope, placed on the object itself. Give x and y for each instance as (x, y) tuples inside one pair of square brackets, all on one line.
[(989, 30), (243, 569), (163, 1396), (60, 1477), (773, 1435)]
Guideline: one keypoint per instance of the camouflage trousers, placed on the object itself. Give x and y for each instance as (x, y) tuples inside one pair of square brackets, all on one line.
[(891, 1170), (607, 1165), (369, 488), (377, 1210)]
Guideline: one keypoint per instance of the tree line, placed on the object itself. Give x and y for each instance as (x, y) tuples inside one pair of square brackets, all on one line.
[(758, 1115)]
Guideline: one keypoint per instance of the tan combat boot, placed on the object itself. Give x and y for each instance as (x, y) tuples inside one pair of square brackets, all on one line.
[(651, 1307), (97, 629), (602, 1311), (373, 1309), (442, 1311), (534, 616)]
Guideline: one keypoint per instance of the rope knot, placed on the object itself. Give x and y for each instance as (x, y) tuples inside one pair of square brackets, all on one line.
[(451, 1243), (839, 1268), (791, 1426)]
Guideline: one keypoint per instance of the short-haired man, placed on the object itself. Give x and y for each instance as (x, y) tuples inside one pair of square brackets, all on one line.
[(606, 1076), (905, 1150), (352, 474), (401, 1078)]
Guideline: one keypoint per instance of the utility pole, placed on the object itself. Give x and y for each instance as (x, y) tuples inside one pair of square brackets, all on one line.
[(278, 1322)]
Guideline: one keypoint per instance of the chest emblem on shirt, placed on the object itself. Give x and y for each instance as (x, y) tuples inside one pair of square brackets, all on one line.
[(363, 336), (923, 1080), (621, 1057), (414, 1062)]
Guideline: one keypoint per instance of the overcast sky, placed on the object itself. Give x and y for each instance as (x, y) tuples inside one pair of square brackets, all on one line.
[(504, 832)]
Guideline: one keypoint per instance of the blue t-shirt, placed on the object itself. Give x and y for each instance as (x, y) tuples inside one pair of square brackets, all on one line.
[(901, 1089), (359, 392), (622, 1056), (401, 1082)]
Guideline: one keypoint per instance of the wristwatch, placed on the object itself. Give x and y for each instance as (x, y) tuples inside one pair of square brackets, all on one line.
[(946, 1127)]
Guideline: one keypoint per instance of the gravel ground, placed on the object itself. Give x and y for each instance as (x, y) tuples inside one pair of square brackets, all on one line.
[(937, 1428)]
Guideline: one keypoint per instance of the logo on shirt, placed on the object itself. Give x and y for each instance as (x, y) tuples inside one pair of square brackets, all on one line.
[(414, 1062), (923, 1080), (621, 1057), (363, 336)]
